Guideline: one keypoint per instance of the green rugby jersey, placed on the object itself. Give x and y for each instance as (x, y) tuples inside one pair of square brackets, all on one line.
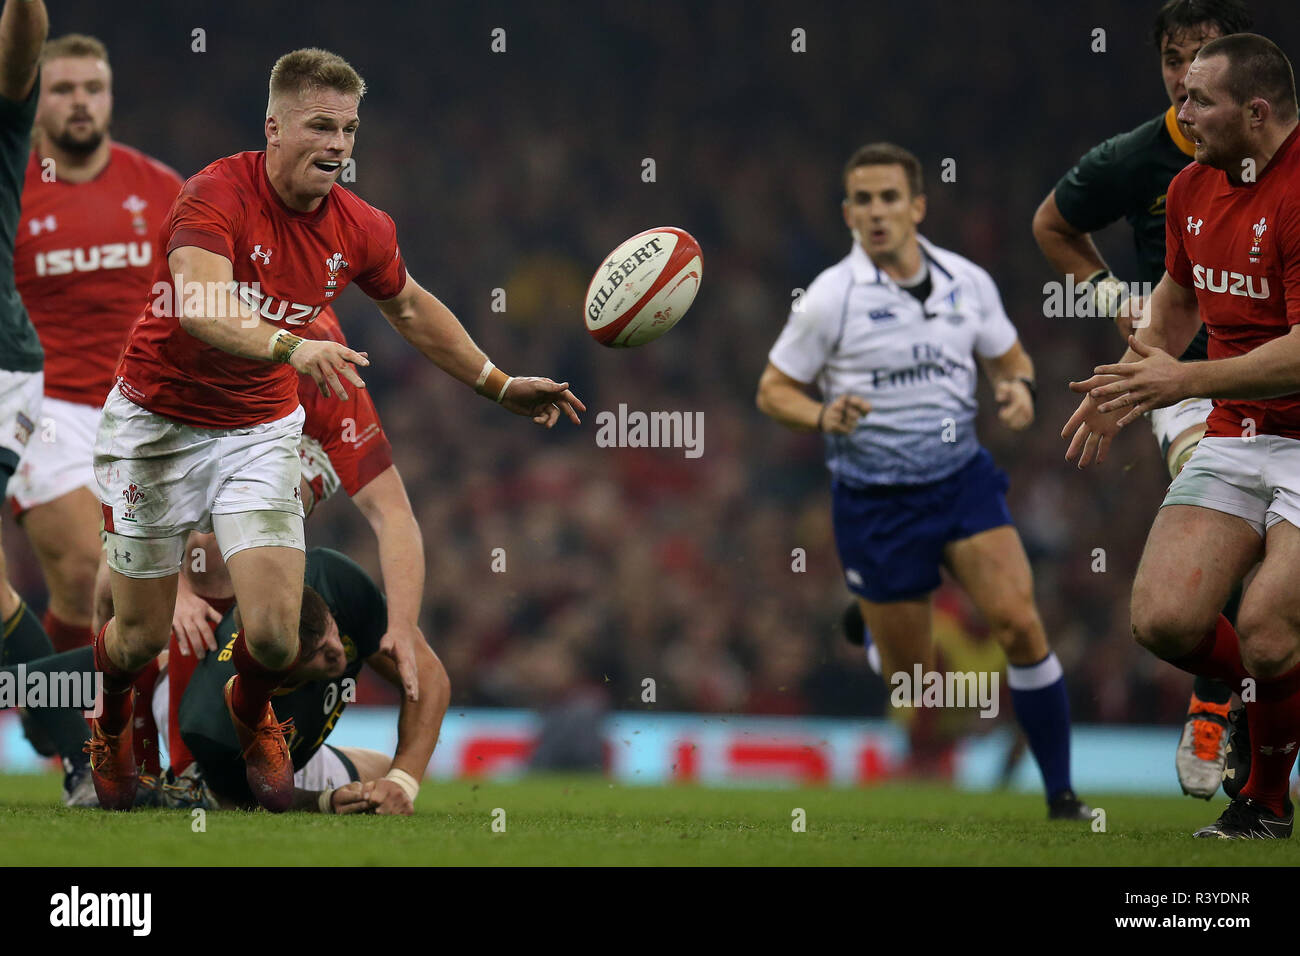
[(362, 615), (20, 349), (1127, 177)]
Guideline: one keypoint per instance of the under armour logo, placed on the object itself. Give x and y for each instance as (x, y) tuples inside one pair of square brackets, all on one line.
[(1269, 751), (46, 224), (257, 253), (122, 557), (1194, 227)]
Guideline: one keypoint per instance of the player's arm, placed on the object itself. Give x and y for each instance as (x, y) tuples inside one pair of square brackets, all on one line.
[(418, 724), (384, 504), (24, 25), (431, 327), (1012, 376), (1148, 376), (785, 399), (1070, 252), (238, 329)]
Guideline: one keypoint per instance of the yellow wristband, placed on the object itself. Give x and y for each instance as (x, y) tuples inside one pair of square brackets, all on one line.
[(404, 780), (326, 801)]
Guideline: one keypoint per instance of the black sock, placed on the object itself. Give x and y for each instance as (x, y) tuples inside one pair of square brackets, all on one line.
[(1212, 690), (64, 725), (23, 639)]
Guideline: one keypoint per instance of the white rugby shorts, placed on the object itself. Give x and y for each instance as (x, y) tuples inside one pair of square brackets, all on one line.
[(1256, 479), (57, 459), (20, 409), (158, 480)]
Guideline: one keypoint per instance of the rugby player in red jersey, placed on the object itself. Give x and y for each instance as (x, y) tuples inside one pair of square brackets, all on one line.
[(1232, 259), (343, 448), (202, 430), (85, 260)]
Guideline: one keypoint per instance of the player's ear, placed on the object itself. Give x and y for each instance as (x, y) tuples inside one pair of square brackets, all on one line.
[(272, 131), (844, 208), (918, 209)]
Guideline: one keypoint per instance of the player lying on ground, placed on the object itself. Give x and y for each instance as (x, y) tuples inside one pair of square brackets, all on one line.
[(1127, 177), (891, 335), (1233, 262), (202, 430), (343, 620)]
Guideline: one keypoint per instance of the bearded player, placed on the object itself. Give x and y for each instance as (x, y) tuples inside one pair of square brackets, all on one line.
[(1232, 261), (85, 260), (202, 430), (1127, 177)]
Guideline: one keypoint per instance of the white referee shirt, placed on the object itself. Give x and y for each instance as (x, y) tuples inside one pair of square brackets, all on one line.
[(857, 331)]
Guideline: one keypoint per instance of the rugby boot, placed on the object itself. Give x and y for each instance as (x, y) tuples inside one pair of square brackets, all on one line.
[(267, 765)]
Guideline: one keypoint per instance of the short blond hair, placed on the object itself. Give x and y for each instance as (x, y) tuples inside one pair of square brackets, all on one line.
[(312, 68), (74, 45)]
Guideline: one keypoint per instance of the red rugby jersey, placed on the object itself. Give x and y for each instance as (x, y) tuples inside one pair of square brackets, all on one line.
[(84, 262), (288, 264), (349, 431), (1239, 248)]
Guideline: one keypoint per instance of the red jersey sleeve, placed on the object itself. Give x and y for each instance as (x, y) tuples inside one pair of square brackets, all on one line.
[(1176, 262), (384, 275), (1289, 250), (207, 214)]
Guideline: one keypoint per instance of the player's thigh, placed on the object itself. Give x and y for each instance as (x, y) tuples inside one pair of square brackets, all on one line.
[(1193, 558), (370, 764), (993, 569), (268, 589), (902, 630), (142, 609), (65, 536)]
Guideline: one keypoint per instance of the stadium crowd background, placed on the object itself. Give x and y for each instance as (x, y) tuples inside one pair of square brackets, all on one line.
[(519, 170)]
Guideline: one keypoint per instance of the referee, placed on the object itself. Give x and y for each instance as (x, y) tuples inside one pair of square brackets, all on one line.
[(1127, 177), (891, 335)]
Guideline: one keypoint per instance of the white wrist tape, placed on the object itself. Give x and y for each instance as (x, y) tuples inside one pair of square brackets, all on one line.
[(275, 337), (404, 780), (502, 393), (326, 802), (483, 375)]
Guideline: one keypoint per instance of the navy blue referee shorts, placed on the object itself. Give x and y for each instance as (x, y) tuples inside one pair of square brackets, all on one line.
[(891, 537)]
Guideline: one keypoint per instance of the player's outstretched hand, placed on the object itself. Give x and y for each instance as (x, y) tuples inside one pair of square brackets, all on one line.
[(542, 400), (326, 362), (1017, 404), (350, 798), (841, 416), (1156, 381), (1092, 432), (385, 797), (193, 621), (399, 645)]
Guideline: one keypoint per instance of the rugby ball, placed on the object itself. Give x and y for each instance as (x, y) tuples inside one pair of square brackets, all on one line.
[(644, 287)]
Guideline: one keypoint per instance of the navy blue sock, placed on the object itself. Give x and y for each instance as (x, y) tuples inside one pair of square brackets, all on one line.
[(1043, 709)]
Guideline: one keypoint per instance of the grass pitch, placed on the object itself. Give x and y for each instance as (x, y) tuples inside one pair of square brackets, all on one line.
[(585, 820)]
